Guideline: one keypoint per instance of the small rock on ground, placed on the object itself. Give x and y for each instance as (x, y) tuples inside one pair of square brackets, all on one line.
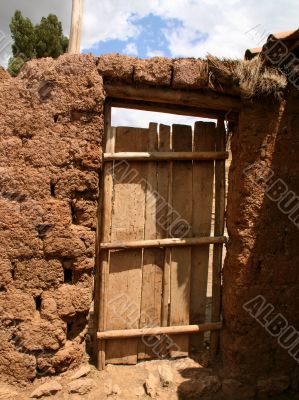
[(151, 385), (111, 389), (166, 375), (47, 389), (80, 386), (205, 385), (83, 371), (116, 390)]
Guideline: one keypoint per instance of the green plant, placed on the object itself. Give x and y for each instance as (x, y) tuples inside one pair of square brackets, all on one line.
[(45, 39)]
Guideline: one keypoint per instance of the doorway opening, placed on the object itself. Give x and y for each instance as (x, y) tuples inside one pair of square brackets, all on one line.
[(161, 236)]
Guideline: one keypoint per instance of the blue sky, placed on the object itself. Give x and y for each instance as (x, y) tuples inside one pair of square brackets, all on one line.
[(174, 28), (184, 28), (150, 38)]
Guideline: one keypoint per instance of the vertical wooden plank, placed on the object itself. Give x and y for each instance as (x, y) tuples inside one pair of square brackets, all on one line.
[(163, 219), (164, 224), (218, 230), (181, 257), (103, 306), (203, 185), (103, 234), (152, 269), (164, 216), (108, 186), (123, 306), (125, 278)]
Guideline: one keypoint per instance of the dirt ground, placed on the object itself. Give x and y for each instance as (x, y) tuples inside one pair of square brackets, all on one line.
[(169, 380), (163, 380), (178, 379)]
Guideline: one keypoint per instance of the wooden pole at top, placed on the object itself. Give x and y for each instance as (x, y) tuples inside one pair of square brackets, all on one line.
[(76, 27)]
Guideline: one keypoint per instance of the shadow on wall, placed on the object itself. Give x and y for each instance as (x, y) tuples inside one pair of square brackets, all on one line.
[(263, 253)]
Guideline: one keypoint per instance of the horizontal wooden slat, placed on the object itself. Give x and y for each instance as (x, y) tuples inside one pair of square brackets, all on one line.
[(169, 242), (190, 111), (167, 156), (194, 98), (164, 330)]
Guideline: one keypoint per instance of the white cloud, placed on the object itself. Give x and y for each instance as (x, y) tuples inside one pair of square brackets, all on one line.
[(112, 19), (141, 119), (224, 21), (131, 49), (154, 53)]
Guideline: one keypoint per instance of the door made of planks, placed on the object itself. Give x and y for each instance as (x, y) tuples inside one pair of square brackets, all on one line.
[(156, 287)]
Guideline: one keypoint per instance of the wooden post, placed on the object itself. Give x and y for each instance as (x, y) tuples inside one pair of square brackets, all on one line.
[(76, 27), (218, 230), (103, 233)]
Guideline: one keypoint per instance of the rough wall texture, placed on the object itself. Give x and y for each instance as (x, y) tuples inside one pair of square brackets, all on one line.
[(50, 155), (51, 127), (3, 74), (263, 253)]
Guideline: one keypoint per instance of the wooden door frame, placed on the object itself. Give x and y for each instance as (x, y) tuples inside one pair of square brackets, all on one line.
[(204, 104)]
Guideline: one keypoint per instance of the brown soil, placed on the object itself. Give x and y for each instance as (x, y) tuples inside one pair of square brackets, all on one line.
[(140, 381)]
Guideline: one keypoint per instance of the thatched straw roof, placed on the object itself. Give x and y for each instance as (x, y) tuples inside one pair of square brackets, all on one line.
[(250, 77)]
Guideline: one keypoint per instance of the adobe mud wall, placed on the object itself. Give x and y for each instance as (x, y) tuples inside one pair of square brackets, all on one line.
[(51, 129), (50, 154), (263, 252)]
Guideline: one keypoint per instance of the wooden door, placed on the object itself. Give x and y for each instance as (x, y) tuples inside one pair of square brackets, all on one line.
[(155, 240)]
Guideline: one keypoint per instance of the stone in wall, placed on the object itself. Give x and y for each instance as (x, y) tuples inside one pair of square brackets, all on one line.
[(156, 71), (116, 67), (190, 74)]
